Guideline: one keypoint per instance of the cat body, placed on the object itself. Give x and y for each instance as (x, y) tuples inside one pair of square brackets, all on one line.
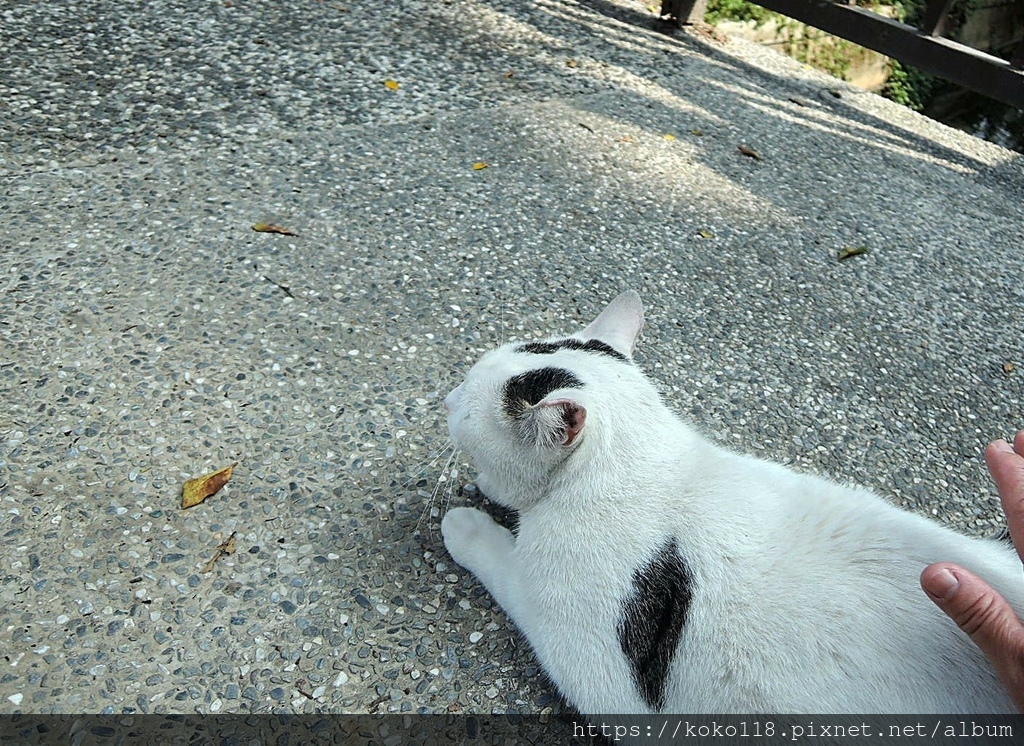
[(656, 572)]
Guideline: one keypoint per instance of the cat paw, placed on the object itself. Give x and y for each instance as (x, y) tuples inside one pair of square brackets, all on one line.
[(468, 534), (487, 487)]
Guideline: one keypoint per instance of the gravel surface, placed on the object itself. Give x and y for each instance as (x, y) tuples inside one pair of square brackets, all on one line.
[(148, 334)]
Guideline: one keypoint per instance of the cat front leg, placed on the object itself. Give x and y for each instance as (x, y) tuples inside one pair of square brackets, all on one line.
[(480, 545), (488, 487)]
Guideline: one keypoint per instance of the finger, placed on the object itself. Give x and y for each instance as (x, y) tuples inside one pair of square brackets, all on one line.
[(1006, 463), (985, 616)]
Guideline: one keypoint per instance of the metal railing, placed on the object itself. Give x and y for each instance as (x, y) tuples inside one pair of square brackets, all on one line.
[(923, 47)]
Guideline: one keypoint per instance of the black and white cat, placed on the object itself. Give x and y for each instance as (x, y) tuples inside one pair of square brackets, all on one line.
[(656, 572)]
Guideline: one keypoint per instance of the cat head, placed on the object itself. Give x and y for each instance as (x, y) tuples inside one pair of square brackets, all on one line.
[(526, 407)]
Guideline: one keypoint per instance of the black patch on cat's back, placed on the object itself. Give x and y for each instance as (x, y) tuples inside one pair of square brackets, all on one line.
[(528, 388), (652, 620), (590, 345)]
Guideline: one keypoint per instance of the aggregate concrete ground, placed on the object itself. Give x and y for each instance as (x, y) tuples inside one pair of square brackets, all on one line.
[(148, 334)]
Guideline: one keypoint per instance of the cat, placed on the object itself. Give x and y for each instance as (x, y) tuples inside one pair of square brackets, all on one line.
[(655, 572)]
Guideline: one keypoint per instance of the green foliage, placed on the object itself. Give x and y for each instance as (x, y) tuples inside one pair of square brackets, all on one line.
[(736, 10), (817, 49), (906, 85), (909, 86)]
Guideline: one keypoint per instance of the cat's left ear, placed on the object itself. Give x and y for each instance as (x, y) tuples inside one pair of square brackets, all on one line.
[(559, 421), (619, 324)]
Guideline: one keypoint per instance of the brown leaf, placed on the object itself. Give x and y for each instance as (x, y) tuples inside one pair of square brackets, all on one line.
[(1008, 368), (194, 491), (750, 152), (509, 74), (271, 228), (226, 547)]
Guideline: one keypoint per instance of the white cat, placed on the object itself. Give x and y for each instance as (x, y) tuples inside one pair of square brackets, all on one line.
[(656, 572)]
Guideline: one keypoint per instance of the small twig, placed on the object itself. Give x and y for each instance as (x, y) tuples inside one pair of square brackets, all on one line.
[(286, 290), (226, 547)]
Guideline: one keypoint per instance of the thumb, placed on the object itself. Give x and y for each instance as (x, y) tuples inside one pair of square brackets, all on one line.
[(985, 616)]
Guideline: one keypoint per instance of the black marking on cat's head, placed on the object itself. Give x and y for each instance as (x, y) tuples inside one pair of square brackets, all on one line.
[(590, 345), (652, 620), (526, 389)]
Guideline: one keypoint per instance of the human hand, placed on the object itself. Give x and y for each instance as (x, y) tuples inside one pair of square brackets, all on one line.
[(968, 600)]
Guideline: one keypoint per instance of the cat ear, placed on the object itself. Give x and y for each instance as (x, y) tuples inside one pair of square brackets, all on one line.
[(558, 421), (619, 324)]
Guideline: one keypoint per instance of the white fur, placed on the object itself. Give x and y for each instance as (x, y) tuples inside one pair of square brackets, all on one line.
[(805, 592)]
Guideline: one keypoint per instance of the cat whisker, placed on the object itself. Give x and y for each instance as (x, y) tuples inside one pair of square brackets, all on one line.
[(433, 457), (450, 489), (443, 478)]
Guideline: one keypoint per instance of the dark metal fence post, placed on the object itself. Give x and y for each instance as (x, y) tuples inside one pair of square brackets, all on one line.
[(936, 12), (684, 11)]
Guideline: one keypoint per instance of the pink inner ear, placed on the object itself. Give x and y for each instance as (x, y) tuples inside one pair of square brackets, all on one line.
[(574, 417)]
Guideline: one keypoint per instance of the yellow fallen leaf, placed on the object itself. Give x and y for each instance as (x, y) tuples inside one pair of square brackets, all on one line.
[(480, 166), (194, 491), (847, 251), (271, 228), (570, 62), (391, 85), (706, 234), (669, 136), (697, 132), (1008, 368)]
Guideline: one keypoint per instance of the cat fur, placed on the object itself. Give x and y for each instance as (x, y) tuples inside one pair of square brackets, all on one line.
[(654, 571)]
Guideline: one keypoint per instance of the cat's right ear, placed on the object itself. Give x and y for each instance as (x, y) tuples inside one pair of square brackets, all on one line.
[(619, 324), (556, 422)]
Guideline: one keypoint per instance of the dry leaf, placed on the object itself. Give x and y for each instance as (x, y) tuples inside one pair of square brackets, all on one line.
[(750, 152), (669, 136), (697, 132), (480, 166), (1008, 368), (706, 234), (271, 228), (391, 85), (196, 490), (847, 251), (570, 62), (510, 73), (627, 138), (226, 547)]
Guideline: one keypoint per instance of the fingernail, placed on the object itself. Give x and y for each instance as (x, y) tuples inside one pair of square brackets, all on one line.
[(1002, 445), (943, 584)]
